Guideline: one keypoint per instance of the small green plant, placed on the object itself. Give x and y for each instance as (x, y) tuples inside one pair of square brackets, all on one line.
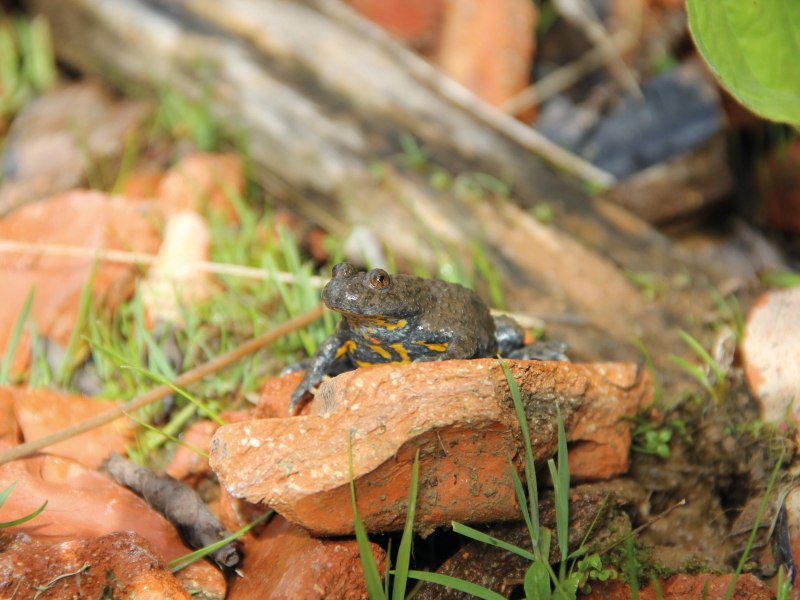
[(714, 381), (592, 567), (648, 440), (647, 283), (414, 155), (4, 495)]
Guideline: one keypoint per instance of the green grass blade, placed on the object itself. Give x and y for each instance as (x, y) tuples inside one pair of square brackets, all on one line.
[(632, 574), (388, 569), (702, 353), (522, 500), (185, 561), (530, 471), (404, 552), (64, 371), (562, 506), (5, 493), (166, 435), (24, 519), (208, 412), (457, 584), (648, 360), (695, 372), (371, 575), (128, 158), (13, 341), (487, 539), (752, 538)]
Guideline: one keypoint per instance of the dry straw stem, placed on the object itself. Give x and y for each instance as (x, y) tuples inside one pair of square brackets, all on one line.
[(183, 380), (141, 258)]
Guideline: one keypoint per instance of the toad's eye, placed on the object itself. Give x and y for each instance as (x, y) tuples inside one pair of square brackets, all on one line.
[(379, 279), (344, 270)]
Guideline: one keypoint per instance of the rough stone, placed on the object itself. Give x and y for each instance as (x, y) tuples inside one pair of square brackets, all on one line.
[(118, 565), (286, 563), (771, 351), (40, 412), (79, 218), (83, 504), (686, 587), (459, 414)]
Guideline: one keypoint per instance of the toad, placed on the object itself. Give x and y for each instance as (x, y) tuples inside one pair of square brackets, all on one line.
[(399, 319)]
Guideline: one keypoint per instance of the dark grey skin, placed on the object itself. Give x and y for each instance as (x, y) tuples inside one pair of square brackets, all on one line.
[(399, 319)]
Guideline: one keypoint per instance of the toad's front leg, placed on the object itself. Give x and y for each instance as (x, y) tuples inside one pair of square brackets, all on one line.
[(331, 349)]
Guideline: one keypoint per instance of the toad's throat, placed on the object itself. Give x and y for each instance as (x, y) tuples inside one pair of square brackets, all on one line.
[(373, 321)]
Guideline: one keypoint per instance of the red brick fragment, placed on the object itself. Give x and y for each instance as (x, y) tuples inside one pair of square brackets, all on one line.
[(687, 587), (124, 563), (286, 563), (83, 504), (459, 415)]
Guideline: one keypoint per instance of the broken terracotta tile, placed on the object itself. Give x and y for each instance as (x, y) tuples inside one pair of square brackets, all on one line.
[(459, 414), (276, 396), (173, 281), (118, 565), (487, 46), (142, 184), (771, 352), (79, 218), (83, 504), (187, 465), (52, 141), (41, 412), (286, 563), (10, 433), (414, 21), (202, 179), (686, 587)]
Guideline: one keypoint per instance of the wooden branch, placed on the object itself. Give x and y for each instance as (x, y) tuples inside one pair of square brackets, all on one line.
[(183, 380)]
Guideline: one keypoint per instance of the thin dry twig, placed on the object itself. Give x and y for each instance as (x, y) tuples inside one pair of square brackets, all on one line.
[(581, 14), (183, 380), (565, 77)]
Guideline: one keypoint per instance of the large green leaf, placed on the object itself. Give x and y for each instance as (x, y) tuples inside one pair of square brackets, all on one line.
[(753, 46)]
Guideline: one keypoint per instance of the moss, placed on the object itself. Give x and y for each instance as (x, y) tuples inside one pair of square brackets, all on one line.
[(647, 568)]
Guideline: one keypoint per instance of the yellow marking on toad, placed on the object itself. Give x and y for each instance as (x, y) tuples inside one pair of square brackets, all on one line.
[(401, 351), (437, 347), (348, 346), (381, 351), (377, 321)]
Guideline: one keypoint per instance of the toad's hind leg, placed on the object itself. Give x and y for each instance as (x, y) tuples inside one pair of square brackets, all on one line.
[(540, 351), (509, 334)]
